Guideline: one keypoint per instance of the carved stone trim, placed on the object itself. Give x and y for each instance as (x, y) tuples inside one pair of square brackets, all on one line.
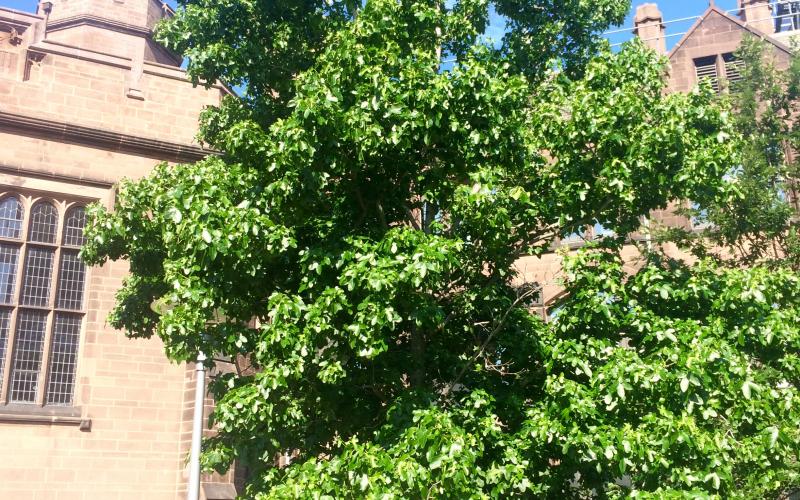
[(102, 139), (32, 60), (13, 37)]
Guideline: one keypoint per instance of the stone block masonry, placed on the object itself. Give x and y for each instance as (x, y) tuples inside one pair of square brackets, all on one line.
[(86, 99)]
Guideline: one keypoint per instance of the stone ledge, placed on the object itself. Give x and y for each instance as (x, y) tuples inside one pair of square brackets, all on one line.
[(47, 415), (219, 491), (102, 139)]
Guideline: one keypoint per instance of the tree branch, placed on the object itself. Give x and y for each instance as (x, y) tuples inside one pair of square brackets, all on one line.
[(411, 218), (489, 338)]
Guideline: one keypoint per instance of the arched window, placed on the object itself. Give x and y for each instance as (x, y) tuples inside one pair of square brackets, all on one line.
[(10, 217), (11, 214), (44, 223), (73, 227), (67, 326), (72, 270), (40, 322)]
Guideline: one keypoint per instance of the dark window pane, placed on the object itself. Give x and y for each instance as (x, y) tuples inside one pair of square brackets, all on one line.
[(70, 281), (9, 255), (10, 217), (37, 278), (5, 318), (44, 222), (73, 227), (63, 359), (27, 357)]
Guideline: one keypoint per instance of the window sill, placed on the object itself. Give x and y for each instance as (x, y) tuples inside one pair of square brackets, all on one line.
[(48, 415)]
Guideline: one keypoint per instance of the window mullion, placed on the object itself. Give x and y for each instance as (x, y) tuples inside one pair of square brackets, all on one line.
[(48, 332), (12, 330), (12, 322)]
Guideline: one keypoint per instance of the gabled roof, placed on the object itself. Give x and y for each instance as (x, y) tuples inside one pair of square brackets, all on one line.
[(738, 22)]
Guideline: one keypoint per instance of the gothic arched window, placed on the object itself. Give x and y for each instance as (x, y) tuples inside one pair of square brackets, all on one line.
[(41, 299)]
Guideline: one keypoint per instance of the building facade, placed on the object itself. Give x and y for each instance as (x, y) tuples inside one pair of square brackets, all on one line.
[(86, 99)]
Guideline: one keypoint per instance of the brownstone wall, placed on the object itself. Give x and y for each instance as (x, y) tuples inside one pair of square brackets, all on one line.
[(67, 87), (714, 35), (131, 403)]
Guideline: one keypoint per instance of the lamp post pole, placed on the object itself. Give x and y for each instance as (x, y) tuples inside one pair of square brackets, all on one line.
[(197, 428)]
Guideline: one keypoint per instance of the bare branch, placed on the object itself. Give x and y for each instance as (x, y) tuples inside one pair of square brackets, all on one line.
[(520, 299)]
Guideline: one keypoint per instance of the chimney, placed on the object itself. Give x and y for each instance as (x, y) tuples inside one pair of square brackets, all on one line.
[(650, 27), (757, 14)]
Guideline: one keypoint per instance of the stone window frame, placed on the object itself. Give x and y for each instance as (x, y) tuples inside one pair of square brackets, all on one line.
[(64, 205)]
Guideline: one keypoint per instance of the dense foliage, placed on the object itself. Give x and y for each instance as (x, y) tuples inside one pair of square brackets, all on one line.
[(753, 221), (355, 246), (682, 381)]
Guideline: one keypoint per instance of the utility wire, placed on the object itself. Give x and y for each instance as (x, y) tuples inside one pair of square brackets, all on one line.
[(690, 18)]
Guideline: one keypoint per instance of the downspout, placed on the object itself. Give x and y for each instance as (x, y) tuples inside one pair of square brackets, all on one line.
[(197, 428)]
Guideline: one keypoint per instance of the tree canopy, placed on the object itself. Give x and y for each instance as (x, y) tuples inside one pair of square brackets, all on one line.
[(355, 245)]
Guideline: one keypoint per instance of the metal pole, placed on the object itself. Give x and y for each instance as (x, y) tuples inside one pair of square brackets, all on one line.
[(197, 428)]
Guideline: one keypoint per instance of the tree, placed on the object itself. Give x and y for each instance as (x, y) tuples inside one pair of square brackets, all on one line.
[(355, 243), (683, 380), (752, 222)]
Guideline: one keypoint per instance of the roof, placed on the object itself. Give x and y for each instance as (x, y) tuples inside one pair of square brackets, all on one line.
[(738, 22)]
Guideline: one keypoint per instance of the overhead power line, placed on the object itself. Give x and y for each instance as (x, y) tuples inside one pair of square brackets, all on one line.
[(692, 18)]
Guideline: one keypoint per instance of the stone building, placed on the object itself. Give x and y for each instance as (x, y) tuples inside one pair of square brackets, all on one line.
[(86, 98), (705, 51)]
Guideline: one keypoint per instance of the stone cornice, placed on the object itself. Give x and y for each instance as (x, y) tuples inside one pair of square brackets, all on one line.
[(18, 19), (102, 139), (99, 22), (45, 47), (73, 181)]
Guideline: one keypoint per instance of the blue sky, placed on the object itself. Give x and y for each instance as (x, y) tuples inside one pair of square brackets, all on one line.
[(672, 9)]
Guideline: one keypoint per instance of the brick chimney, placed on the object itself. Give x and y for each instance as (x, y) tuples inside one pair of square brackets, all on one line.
[(650, 27), (757, 14)]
